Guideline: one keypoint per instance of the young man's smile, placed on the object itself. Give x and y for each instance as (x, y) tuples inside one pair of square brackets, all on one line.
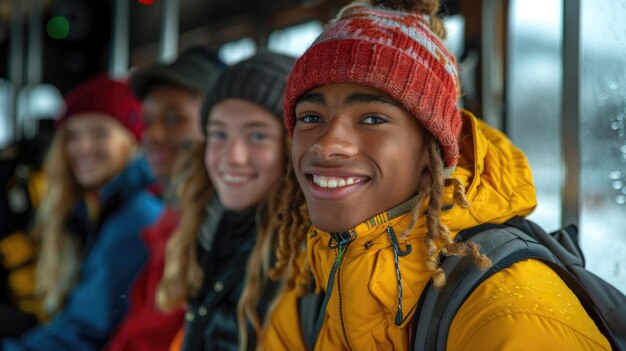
[(355, 154)]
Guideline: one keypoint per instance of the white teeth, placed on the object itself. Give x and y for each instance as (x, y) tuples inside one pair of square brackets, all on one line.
[(230, 178), (322, 182), (334, 182)]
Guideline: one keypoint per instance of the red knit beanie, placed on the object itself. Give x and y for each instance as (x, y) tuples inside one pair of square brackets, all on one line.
[(104, 95), (390, 50)]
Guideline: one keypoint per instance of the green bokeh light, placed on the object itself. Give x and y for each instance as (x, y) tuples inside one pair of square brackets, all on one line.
[(58, 27)]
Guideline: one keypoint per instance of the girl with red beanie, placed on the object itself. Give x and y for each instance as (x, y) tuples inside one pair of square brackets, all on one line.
[(391, 170), (90, 221)]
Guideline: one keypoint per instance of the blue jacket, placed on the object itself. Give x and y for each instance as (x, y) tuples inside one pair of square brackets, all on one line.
[(113, 255)]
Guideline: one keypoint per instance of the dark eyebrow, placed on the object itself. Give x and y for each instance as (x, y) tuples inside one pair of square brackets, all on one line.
[(255, 124), (367, 98), (315, 98), (216, 123)]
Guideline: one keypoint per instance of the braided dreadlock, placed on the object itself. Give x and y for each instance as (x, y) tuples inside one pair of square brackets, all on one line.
[(438, 238), (273, 214), (294, 222)]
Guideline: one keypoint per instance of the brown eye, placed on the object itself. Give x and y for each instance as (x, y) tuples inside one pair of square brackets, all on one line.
[(310, 119), (373, 119)]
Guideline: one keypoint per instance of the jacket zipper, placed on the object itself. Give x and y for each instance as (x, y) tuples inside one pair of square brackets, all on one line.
[(339, 241), (342, 247), (339, 298)]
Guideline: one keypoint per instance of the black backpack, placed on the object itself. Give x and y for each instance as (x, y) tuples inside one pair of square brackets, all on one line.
[(505, 244)]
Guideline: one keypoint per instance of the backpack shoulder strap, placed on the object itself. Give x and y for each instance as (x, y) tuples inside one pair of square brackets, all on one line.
[(309, 308), (504, 245)]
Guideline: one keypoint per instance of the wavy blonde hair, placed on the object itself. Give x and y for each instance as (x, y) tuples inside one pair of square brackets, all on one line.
[(59, 259), (183, 274), (58, 263)]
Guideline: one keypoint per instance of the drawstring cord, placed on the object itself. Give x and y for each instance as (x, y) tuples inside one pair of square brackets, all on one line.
[(339, 241), (396, 253)]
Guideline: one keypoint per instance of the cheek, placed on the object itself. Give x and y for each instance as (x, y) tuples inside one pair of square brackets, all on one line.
[(270, 163), (121, 154), (70, 150), (298, 151), (186, 129), (402, 160)]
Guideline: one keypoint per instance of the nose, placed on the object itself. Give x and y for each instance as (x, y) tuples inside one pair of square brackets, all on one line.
[(336, 141), (154, 132), (236, 152), (80, 146)]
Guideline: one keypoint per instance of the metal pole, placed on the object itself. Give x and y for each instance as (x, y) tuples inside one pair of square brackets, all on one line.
[(118, 64), (168, 50), (488, 67), (570, 113), (16, 66), (34, 68)]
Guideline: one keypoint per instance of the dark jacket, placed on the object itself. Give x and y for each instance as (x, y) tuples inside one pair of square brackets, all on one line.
[(113, 254), (225, 242)]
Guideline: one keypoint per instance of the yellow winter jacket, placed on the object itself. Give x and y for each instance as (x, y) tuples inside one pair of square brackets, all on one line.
[(524, 307)]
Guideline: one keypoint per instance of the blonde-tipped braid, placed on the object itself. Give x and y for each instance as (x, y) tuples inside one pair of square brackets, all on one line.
[(271, 215), (438, 239), (291, 234)]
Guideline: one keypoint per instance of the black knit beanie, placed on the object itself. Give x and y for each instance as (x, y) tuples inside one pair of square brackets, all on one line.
[(194, 69), (260, 79)]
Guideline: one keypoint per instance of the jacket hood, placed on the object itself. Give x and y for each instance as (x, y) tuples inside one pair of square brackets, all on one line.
[(496, 174)]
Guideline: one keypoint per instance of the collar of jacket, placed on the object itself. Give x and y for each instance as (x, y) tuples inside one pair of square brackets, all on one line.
[(368, 234), (136, 177), (214, 213)]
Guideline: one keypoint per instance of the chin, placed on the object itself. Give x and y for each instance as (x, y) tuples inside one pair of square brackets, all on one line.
[(235, 205), (335, 224)]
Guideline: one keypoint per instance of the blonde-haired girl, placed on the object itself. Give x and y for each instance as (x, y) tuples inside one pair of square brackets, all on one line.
[(90, 221), (229, 197)]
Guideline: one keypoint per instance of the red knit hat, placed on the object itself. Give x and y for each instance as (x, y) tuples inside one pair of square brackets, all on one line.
[(102, 94), (392, 51)]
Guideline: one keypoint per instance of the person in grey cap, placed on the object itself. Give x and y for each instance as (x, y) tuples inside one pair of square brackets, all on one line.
[(171, 96), (232, 191)]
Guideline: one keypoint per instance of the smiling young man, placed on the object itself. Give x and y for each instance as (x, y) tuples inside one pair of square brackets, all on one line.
[(357, 152), (171, 96), (391, 170), (171, 99)]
